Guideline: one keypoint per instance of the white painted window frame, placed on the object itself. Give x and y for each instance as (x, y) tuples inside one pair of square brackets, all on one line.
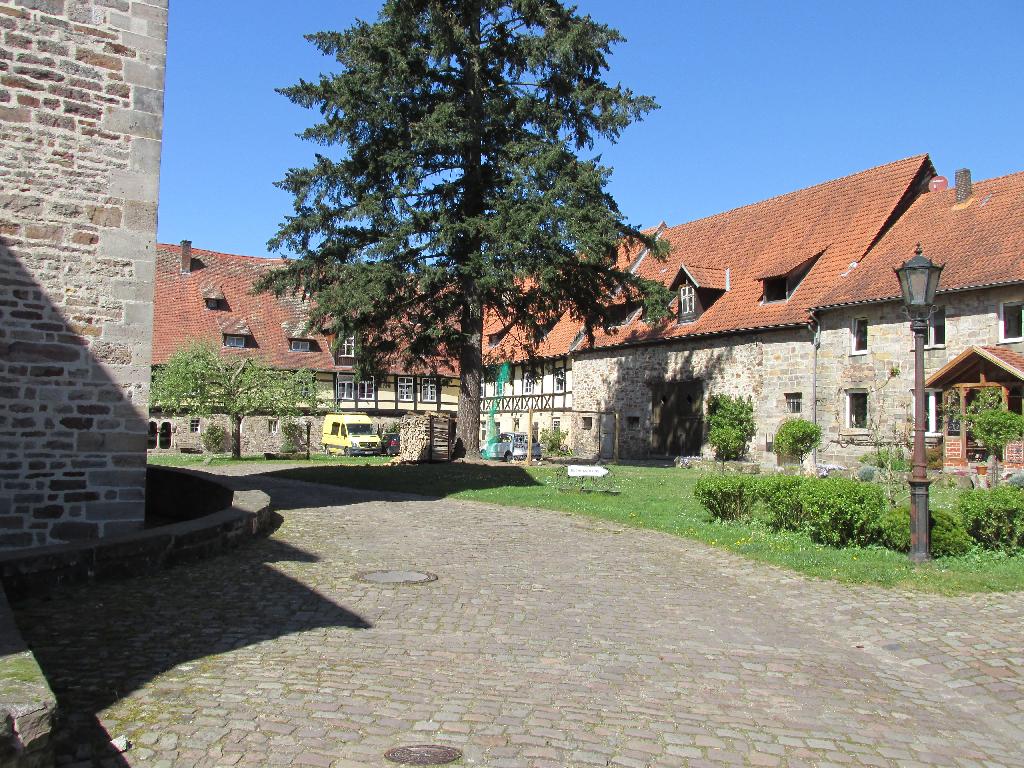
[(406, 389), (367, 389), (428, 390), (345, 384), (228, 337), (1003, 338), (849, 409), (853, 336)]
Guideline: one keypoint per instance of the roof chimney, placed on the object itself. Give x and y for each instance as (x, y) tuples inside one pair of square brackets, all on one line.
[(963, 185), (186, 257)]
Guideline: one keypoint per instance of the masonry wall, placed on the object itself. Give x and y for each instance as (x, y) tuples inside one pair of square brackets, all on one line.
[(81, 100), (886, 372), (762, 366)]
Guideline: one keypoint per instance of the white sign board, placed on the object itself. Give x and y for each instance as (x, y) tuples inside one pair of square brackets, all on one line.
[(583, 470)]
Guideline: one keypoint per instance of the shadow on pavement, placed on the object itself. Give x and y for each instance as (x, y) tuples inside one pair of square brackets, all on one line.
[(98, 643), (431, 480)]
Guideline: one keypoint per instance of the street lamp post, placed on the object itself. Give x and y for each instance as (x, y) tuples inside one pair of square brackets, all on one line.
[(919, 278)]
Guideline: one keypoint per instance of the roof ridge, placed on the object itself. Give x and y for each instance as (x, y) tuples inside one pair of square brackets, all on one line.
[(176, 247), (826, 183)]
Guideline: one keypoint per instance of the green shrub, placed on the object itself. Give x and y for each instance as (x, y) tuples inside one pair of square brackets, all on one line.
[(730, 425), (726, 497), (551, 441), (887, 458), (1016, 480), (935, 457), (293, 437), (994, 518), (797, 437), (213, 438), (894, 529), (779, 498), (866, 473), (840, 512), (996, 427), (727, 442), (948, 536)]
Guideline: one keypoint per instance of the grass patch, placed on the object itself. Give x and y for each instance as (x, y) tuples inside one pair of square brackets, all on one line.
[(662, 499)]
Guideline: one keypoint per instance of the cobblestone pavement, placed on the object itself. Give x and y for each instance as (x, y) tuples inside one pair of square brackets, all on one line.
[(547, 640)]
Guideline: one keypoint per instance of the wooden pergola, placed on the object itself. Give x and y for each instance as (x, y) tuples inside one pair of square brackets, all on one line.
[(972, 371)]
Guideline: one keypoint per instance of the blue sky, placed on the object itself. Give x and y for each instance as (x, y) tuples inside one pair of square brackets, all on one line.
[(757, 98)]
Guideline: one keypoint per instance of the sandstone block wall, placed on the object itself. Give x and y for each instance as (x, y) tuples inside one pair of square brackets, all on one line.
[(81, 103), (886, 372), (763, 367)]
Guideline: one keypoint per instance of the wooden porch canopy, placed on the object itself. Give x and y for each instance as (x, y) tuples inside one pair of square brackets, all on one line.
[(980, 365), (975, 369)]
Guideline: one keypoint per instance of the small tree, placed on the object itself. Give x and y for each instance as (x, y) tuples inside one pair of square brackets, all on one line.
[(213, 438), (196, 381), (797, 437), (730, 425), (995, 428)]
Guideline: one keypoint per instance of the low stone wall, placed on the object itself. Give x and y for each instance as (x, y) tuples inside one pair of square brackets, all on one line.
[(37, 572), (27, 704)]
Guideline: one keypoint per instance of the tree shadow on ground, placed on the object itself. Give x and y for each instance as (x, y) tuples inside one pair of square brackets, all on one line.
[(98, 643), (434, 481)]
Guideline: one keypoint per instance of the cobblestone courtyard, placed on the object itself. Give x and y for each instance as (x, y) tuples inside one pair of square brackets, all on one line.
[(547, 640)]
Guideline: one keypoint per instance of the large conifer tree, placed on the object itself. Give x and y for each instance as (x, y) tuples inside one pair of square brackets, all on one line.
[(453, 183)]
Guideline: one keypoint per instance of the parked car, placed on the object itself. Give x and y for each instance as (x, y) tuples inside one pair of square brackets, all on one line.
[(390, 444), (350, 434), (510, 446)]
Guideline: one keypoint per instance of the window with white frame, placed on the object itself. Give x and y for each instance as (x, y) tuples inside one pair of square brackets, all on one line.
[(559, 380), (795, 402), (1011, 321), (937, 328), (348, 347), (193, 426), (367, 389), (428, 390), (299, 345), (346, 388), (687, 301), (857, 409), (273, 426), (231, 340), (933, 411), (405, 389), (556, 424), (859, 336), (529, 382)]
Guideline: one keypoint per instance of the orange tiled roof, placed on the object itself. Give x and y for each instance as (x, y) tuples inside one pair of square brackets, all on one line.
[(1010, 361), (833, 225), (180, 314), (980, 242)]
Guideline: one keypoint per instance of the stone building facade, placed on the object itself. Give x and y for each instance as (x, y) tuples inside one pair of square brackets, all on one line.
[(885, 372), (81, 105)]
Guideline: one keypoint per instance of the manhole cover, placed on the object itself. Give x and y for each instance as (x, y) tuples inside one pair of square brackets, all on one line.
[(423, 754), (397, 577)]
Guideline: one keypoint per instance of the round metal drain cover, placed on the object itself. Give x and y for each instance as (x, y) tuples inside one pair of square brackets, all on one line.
[(423, 754), (397, 577)]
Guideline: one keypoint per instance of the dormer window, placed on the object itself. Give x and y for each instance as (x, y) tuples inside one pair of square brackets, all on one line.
[(687, 302), (213, 303), (234, 341), (781, 283), (299, 345), (776, 289), (697, 289)]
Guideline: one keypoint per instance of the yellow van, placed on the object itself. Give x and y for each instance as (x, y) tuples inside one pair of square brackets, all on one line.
[(350, 434)]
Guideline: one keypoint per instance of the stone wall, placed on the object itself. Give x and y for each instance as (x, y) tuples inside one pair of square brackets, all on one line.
[(257, 436), (886, 372), (761, 366), (81, 100)]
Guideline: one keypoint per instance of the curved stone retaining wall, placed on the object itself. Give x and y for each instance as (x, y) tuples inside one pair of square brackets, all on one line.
[(213, 519)]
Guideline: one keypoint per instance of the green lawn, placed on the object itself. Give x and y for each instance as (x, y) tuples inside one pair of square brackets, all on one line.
[(662, 499)]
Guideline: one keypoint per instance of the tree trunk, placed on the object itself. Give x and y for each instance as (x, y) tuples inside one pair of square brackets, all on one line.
[(471, 373), (466, 250), (236, 437)]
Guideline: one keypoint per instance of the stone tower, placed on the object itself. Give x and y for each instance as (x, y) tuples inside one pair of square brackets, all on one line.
[(81, 113)]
